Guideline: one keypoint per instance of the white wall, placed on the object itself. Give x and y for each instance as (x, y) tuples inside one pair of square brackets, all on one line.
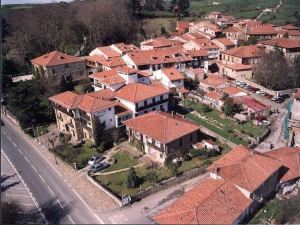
[(106, 116)]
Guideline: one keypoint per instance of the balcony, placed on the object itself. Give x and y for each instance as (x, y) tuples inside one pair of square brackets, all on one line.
[(141, 108), (64, 110)]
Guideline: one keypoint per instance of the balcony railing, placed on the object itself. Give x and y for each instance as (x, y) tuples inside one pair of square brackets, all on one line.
[(151, 105)]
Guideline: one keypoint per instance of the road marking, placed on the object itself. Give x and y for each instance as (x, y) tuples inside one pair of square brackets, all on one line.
[(18, 174), (26, 204), (33, 167), (26, 159), (42, 179), (19, 150), (23, 196), (59, 203), (4, 133), (18, 188), (14, 144), (9, 138), (50, 190), (71, 219)]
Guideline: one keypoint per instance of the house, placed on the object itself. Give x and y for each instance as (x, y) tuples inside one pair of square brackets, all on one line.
[(243, 55), (290, 159), (206, 27), (195, 74), (289, 47), (55, 66), (107, 52), (213, 99), (76, 114), (234, 91), (252, 107), (223, 43), (142, 98), (170, 78), (116, 78), (122, 48), (157, 43), (236, 70), (234, 34), (164, 136), (294, 34), (239, 183), (183, 26), (152, 60), (213, 83), (262, 32), (213, 51)]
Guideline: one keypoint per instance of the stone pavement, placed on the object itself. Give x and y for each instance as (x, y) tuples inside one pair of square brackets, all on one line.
[(97, 200)]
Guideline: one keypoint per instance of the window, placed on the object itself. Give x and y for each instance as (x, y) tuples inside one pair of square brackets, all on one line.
[(191, 137), (66, 65), (109, 109), (153, 100), (145, 103), (180, 142), (161, 98)]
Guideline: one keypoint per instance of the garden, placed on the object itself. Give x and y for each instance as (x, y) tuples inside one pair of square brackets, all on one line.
[(225, 127), (141, 174)]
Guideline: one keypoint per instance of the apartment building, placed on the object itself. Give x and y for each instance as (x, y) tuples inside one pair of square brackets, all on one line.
[(55, 66), (163, 135), (213, 51)]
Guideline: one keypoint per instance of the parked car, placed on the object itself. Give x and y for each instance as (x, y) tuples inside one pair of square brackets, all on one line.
[(266, 122), (99, 166), (95, 159), (274, 98), (285, 96), (260, 93)]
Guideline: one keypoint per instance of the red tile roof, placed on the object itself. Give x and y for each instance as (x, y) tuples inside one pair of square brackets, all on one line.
[(251, 51), (124, 48), (158, 42), (225, 41), (198, 53), (109, 77), (113, 62), (213, 95), (233, 90), (290, 27), (232, 30), (192, 36), (238, 66), (251, 103), (182, 25), (283, 42), (290, 158), (136, 92), (161, 126), (293, 33), (91, 102), (214, 80), (262, 30), (210, 202), (172, 74), (109, 52), (127, 70), (55, 58)]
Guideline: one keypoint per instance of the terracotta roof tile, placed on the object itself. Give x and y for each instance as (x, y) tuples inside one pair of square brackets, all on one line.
[(109, 77), (172, 74), (262, 30), (136, 92), (233, 90), (55, 58), (283, 42), (162, 126), (158, 42), (232, 30), (68, 99), (251, 51), (109, 52), (238, 66), (225, 41), (214, 80), (213, 95), (251, 103)]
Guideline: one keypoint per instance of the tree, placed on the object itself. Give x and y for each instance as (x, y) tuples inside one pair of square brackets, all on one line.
[(230, 108), (99, 129), (183, 7), (132, 180), (269, 71), (11, 213)]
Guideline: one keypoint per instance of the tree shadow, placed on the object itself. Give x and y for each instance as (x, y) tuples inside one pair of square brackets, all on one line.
[(5, 177), (6, 187)]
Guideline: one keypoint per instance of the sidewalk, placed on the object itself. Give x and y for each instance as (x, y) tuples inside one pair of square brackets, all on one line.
[(97, 200)]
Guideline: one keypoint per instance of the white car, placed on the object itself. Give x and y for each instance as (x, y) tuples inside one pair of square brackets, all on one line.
[(260, 93), (274, 98), (266, 122), (95, 159)]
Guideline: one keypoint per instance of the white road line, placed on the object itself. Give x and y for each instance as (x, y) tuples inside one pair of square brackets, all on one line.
[(19, 150), (50, 190), (71, 219), (23, 196), (14, 144), (26, 159), (4, 133), (18, 174), (17, 188), (59, 203), (9, 138), (26, 204), (33, 167), (42, 178)]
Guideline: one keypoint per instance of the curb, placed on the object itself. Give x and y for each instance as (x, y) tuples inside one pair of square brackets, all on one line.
[(115, 198)]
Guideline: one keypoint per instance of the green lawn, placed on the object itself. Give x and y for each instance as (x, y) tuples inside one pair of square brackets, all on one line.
[(227, 128), (79, 154), (271, 210), (123, 160)]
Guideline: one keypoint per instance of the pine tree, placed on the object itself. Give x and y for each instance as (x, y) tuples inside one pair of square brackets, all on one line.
[(132, 180)]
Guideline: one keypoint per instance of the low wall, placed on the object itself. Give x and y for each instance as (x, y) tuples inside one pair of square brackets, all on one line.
[(10, 116)]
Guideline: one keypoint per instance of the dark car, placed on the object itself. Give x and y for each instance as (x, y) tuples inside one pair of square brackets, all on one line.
[(285, 96), (99, 166)]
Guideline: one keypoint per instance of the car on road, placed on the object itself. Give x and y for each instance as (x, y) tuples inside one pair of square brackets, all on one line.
[(95, 159), (99, 166), (260, 93)]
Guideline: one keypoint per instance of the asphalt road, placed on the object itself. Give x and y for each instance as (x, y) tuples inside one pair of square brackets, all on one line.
[(57, 201)]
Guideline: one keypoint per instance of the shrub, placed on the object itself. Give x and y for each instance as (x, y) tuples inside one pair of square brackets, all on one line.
[(151, 177), (187, 157), (132, 179), (64, 137), (195, 152), (213, 153), (207, 162)]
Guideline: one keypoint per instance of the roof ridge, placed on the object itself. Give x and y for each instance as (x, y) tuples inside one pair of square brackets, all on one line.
[(165, 128), (243, 169), (75, 98), (135, 90)]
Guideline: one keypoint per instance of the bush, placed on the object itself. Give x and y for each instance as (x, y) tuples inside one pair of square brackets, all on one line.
[(64, 137), (213, 153), (132, 179), (207, 162), (151, 177), (195, 152), (187, 157)]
